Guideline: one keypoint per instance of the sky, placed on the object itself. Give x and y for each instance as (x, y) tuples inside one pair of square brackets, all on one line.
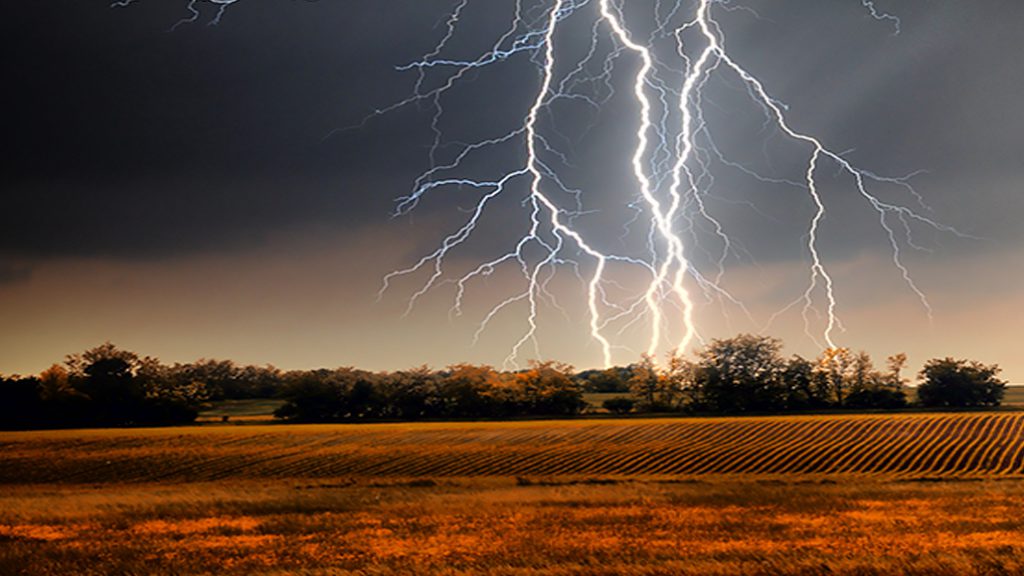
[(228, 191)]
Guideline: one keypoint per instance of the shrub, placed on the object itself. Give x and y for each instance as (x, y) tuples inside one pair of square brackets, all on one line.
[(959, 384), (620, 405), (879, 397)]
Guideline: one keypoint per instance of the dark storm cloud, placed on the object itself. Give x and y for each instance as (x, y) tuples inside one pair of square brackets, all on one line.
[(129, 141), (133, 141)]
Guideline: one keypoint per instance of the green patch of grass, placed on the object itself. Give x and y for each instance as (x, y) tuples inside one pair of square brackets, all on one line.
[(595, 400), (249, 408)]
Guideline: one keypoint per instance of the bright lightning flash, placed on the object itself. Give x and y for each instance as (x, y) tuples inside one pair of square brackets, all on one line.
[(672, 155)]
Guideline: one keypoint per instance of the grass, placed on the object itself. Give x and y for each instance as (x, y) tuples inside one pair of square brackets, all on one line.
[(504, 528), (595, 400), (840, 494), (248, 410)]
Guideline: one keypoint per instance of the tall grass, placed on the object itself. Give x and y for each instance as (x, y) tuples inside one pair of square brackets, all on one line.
[(500, 527)]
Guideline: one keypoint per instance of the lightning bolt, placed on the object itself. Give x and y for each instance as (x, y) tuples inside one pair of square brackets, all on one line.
[(673, 157), (192, 7)]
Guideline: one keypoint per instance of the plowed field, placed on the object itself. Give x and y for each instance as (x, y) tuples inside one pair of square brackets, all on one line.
[(886, 446)]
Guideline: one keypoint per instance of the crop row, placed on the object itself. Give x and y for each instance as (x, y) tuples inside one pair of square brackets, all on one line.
[(925, 445)]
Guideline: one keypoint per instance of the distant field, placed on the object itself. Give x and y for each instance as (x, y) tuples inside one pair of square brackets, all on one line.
[(259, 409), (262, 409), (964, 445), (595, 400), (855, 495), (1014, 395)]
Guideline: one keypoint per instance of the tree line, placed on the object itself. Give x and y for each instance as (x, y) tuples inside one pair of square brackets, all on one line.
[(107, 386), (748, 374)]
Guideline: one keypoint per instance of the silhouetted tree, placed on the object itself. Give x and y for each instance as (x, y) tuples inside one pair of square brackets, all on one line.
[(109, 386), (871, 389), (332, 396), (21, 405), (64, 406), (959, 384), (115, 398), (114, 387), (800, 391), (310, 396), (740, 374), (609, 380), (257, 382), (412, 394), (78, 363)]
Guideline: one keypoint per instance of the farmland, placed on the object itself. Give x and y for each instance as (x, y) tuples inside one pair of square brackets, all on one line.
[(969, 445), (865, 494)]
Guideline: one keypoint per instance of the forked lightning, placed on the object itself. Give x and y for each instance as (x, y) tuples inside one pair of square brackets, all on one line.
[(672, 156)]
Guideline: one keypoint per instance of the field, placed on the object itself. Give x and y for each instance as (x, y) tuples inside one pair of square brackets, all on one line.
[(262, 409), (969, 445), (1014, 395), (255, 410), (868, 494)]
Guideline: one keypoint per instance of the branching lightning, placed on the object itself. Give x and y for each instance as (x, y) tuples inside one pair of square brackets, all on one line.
[(673, 157)]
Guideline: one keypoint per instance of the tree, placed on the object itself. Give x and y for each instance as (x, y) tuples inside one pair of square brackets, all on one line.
[(959, 384), (800, 391), (895, 365), (20, 403), (655, 391), (643, 381), (834, 372), (740, 374), (548, 388), (54, 383), (620, 405), (77, 363), (117, 388), (411, 394), (220, 376), (467, 390), (257, 382), (115, 397), (332, 396), (63, 405), (310, 396), (614, 379), (869, 388), (677, 383)]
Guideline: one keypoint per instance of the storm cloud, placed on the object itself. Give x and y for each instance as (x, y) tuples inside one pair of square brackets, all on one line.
[(134, 146)]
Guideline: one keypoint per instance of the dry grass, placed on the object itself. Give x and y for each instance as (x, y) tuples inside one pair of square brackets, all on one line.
[(498, 527), (794, 495)]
